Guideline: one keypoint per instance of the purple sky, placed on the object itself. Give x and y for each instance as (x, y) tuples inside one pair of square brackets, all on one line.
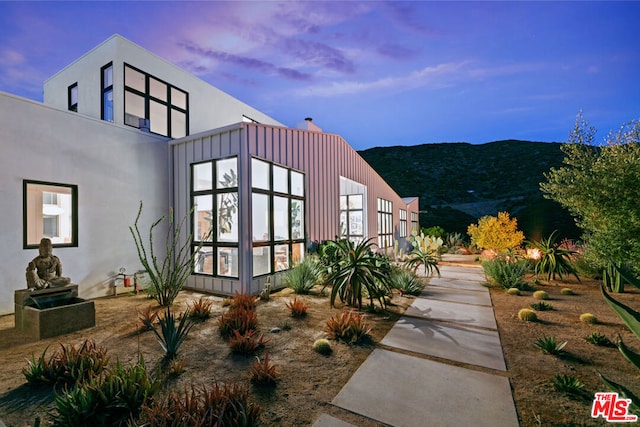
[(377, 73)]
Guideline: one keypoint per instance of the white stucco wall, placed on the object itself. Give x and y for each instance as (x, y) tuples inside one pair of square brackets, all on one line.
[(114, 168), (209, 107)]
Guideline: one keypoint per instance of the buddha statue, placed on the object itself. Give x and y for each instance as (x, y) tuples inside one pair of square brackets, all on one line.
[(45, 270)]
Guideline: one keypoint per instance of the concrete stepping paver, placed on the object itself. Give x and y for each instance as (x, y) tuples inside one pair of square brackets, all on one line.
[(328, 421), (465, 273), (448, 341), (465, 284), (428, 393), (456, 295), (467, 314)]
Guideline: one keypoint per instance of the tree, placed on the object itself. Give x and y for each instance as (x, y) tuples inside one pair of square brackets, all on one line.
[(496, 233), (600, 186)]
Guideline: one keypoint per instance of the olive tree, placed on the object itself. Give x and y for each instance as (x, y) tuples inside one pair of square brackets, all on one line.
[(600, 186)]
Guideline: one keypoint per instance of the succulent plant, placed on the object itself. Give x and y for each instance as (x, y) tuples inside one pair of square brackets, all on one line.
[(541, 295), (322, 346), (588, 318), (566, 291), (527, 315), (513, 291)]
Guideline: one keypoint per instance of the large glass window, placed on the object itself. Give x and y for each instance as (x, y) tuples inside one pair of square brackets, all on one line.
[(215, 218), (403, 223), (165, 106), (351, 217), (385, 223), (277, 217), (107, 92), (50, 210), (415, 222)]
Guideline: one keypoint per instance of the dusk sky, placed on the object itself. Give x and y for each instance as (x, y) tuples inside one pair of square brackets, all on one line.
[(377, 73)]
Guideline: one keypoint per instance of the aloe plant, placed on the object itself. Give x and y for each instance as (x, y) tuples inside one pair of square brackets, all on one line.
[(554, 259), (631, 318)]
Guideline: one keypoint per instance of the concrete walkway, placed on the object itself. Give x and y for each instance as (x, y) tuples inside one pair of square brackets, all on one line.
[(441, 364)]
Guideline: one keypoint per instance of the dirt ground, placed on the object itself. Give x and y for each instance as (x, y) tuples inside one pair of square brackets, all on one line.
[(310, 381)]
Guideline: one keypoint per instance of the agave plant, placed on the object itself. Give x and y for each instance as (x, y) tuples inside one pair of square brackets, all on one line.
[(171, 336), (555, 260), (357, 271)]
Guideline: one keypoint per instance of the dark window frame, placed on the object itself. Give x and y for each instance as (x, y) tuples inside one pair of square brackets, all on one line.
[(146, 95), (348, 235), (72, 106), (403, 223), (385, 223), (415, 221), (104, 90), (74, 214)]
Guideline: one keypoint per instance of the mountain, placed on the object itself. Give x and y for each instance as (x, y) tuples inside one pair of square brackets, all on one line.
[(459, 182)]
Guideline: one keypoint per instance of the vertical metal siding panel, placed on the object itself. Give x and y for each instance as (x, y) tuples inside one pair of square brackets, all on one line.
[(245, 269), (268, 154)]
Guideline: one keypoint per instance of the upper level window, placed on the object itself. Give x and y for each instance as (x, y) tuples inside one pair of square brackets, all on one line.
[(107, 92), (403, 223), (351, 217), (50, 210), (72, 95), (148, 98), (385, 223)]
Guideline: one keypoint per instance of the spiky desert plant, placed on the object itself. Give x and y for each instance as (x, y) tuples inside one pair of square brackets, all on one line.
[(200, 309), (239, 319), (297, 307), (555, 259), (246, 343), (304, 276), (406, 282), (513, 291), (264, 373), (169, 274), (571, 386), (506, 271), (542, 306), (148, 316), (550, 345), (541, 295), (566, 291), (588, 318), (425, 253), (348, 326), (599, 339), (322, 346), (171, 336), (243, 300), (527, 315), (356, 272)]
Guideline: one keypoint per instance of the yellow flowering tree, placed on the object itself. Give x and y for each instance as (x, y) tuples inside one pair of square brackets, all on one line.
[(496, 233)]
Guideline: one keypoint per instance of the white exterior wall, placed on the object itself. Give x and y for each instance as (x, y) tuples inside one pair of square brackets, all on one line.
[(114, 168), (209, 107)]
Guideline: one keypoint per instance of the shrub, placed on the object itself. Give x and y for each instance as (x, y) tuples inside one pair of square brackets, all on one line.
[(542, 306), (222, 405), (357, 270), (349, 327), (246, 343), (507, 272), (406, 282), (496, 233), (303, 276), (566, 291), (171, 336), (568, 385), (513, 291), (322, 346), (541, 295), (527, 315), (555, 259), (201, 309), (550, 345), (110, 398), (69, 364), (588, 318), (264, 373), (298, 307), (239, 319), (600, 340)]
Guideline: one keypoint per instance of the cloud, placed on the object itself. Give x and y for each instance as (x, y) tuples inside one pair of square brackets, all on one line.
[(432, 77), (319, 54), (245, 62)]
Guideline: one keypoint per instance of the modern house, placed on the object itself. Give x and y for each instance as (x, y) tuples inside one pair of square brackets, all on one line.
[(121, 125)]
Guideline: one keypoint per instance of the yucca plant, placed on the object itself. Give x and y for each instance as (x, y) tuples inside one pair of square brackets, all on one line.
[(303, 276), (171, 336), (555, 259), (355, 271), (550, 345)]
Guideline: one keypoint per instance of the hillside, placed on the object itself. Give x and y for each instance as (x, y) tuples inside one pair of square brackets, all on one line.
[(458, 182)]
